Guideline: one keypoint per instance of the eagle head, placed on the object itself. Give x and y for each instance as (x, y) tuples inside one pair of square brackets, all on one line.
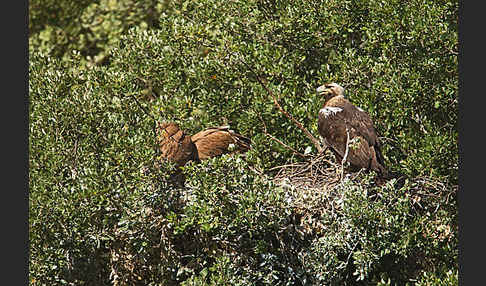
[(168, 129), (330, 90)]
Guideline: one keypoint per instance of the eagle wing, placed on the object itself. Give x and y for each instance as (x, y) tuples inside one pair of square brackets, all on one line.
[(361, 121), (336, 122), (215, 141)]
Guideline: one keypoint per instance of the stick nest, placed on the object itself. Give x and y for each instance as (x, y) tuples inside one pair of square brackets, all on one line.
[(319, 173), (315, 187)]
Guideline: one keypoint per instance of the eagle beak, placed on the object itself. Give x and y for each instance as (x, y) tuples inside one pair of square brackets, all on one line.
[(320, 90)]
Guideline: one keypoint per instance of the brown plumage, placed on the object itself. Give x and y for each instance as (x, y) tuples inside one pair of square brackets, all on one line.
[(215, 141), (175, 145), (338, 118)]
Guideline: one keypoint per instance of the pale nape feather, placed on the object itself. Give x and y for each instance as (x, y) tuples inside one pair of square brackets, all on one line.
[(331, 110)]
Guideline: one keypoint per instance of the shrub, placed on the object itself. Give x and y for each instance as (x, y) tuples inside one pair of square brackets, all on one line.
[(102, 210), (89, 27)]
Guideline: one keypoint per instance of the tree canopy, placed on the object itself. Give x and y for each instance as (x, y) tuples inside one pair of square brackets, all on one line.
[(101, 212)]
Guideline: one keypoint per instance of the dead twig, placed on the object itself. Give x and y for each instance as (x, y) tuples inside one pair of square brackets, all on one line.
[(351, 254), (141, 106), (283, 166), (278, 140), (317, 174), (154, 127), (286, 146), (345, 154), (288, 115)]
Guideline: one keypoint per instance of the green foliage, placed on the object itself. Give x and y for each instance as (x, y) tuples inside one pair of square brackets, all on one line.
[(403, 70), (86, 151), (92, 31), (450, 278), (43, 13), (102, 212)]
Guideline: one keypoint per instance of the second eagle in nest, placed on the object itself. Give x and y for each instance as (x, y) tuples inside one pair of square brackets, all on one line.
[(178, 147)]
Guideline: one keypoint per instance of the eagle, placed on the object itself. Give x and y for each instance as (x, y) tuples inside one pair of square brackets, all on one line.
[(344, 126), (215, 141), (175, 145)]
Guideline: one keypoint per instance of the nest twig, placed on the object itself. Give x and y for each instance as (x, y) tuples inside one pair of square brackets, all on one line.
[(314, 188), (318, 173)]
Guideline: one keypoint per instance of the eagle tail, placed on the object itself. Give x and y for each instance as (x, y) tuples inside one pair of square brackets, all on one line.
[(381, 162), (243, 143), (379, 156)]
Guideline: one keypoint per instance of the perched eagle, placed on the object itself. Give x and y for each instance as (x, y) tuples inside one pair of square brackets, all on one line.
[(215, 141), (175, 145), (342, 124)]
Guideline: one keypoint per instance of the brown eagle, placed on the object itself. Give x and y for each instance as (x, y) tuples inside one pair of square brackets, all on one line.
[(342, 124), (175, 145), (215, 141)]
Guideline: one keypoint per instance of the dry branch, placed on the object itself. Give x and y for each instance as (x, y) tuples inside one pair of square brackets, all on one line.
[(345, 154), (285, 145), (278, 140), (314, 140), (154, 126)]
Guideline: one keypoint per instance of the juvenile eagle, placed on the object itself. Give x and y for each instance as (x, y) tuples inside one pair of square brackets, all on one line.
[(175, 145), (215, 141), (342, 124)]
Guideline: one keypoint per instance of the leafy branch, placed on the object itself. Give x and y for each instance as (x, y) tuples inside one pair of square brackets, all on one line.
[(313, 139)]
